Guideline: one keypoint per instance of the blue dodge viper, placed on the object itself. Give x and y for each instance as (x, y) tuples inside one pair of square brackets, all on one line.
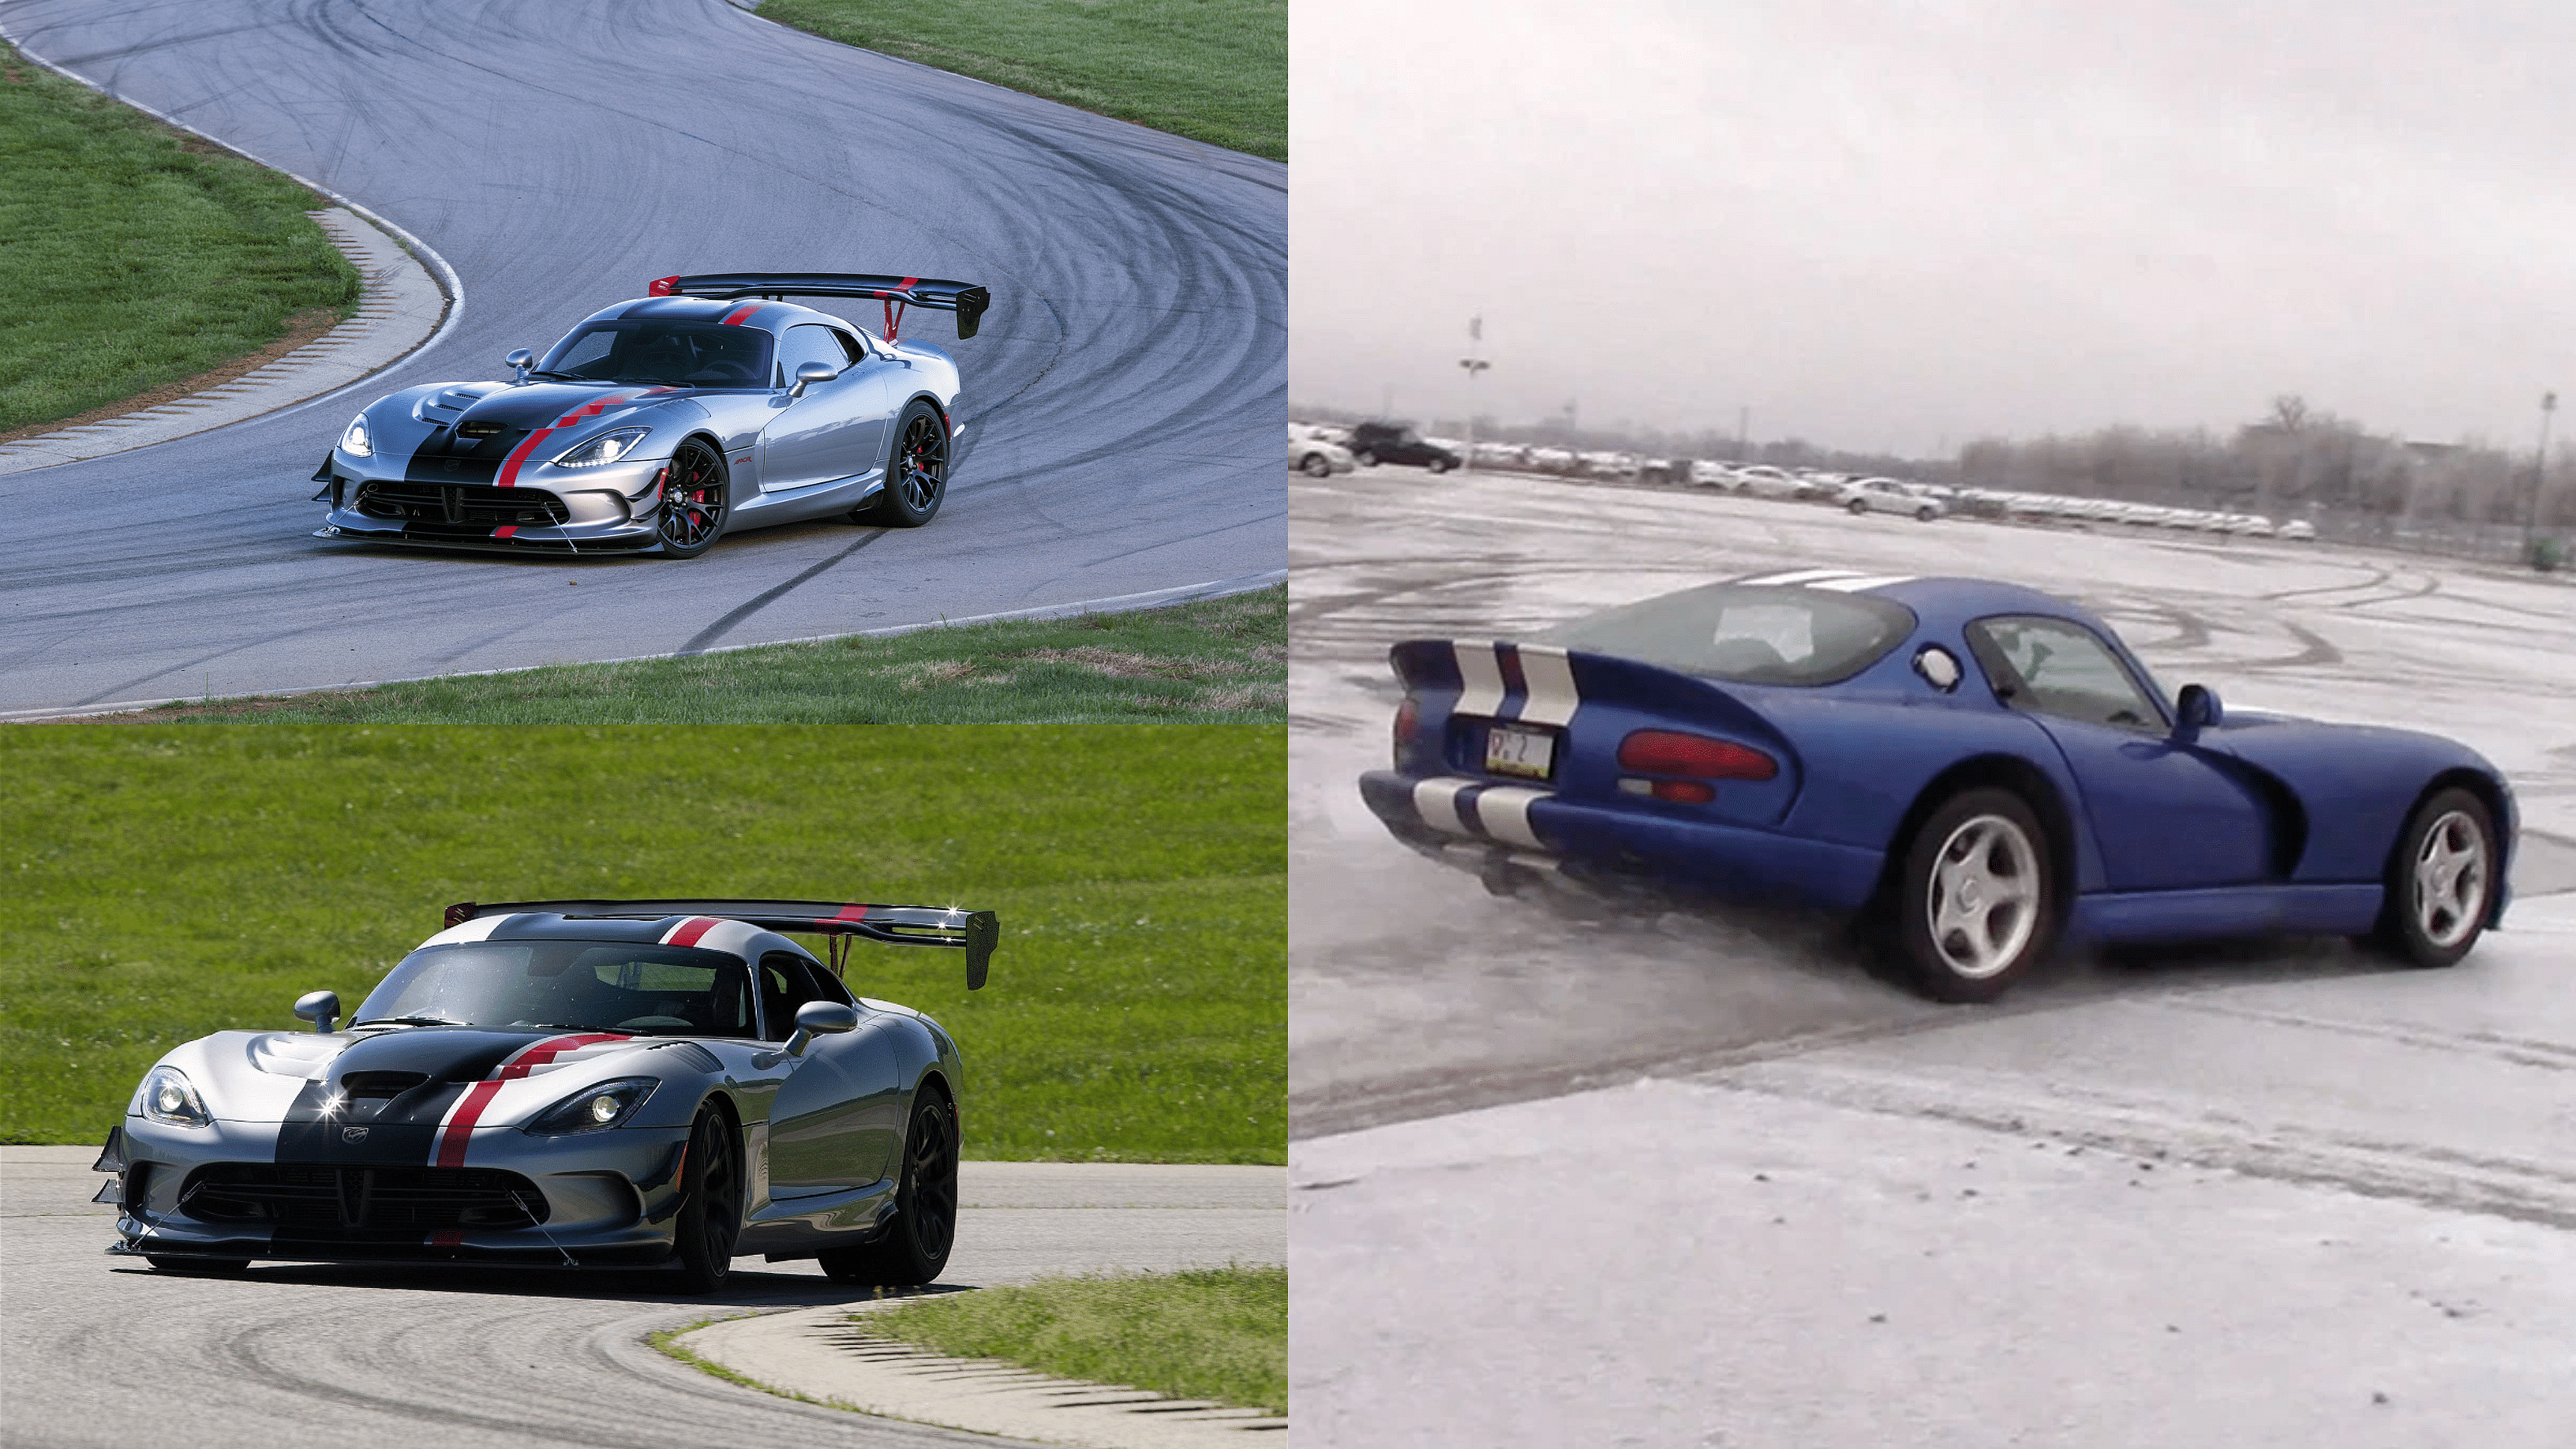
[(1978, 771)]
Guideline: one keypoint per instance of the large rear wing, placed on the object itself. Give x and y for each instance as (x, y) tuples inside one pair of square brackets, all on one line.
[(975, 932), (965, 299)]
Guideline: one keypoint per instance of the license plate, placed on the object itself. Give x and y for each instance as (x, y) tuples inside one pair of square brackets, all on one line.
[(1530, 754)]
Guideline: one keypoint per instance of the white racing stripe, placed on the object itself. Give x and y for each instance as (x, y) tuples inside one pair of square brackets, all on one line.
[(1552, 699), (1855, 585), (1504, 812), (1437, 802), (1801, 576), (1480, 672)]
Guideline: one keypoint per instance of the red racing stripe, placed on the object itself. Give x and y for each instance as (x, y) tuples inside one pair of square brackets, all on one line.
[(451, 1238), (734, 317), (469, 1108), (505, 530), (690, 930), (519, 455)]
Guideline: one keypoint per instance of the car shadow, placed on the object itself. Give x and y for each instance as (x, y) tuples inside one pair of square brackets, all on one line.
[(744, 1287)]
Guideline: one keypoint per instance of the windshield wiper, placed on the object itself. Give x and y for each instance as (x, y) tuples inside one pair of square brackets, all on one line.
[(406, 1021)]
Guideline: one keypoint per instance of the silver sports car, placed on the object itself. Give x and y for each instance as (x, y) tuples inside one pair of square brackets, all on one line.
[(572, 1084), (659, 425)]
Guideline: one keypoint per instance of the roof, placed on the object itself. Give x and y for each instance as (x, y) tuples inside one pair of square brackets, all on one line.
[(1935, 599)]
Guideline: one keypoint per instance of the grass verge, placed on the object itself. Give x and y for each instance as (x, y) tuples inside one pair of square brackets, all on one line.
[(134, 255), (169, 881), (1213, 70), (1209, 1333), (1205, 660)]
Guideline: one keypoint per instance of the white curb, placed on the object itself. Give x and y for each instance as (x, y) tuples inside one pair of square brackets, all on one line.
[(398, 309), (820, 1354)]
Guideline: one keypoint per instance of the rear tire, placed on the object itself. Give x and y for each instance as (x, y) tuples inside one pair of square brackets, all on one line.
[(1858, 506), (198, 1267), (1976, 903), (915, 1247), (2441, 882), (1366, 458), (1316, 465), (710, 1205), (1438, 465), (1925, 513), (916, 472)]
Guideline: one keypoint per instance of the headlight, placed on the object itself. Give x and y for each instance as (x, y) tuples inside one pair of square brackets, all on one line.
[(354, 441), (168, 1097), (594, 1108), (606, 448)]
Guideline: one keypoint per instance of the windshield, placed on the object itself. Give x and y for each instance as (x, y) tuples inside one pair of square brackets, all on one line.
[(673, 354), (646, 990), (1746, 634)]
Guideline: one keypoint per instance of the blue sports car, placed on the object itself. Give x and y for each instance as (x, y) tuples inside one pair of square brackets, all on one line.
[(1978, 771)]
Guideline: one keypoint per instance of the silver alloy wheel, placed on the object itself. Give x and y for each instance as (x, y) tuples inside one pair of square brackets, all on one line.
[(1984, 898), (2450, 879)]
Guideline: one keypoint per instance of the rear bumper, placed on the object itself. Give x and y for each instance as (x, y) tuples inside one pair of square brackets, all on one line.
[(1477, 825)]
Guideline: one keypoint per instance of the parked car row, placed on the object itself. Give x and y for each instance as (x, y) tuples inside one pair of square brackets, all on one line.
[(1372, 443)]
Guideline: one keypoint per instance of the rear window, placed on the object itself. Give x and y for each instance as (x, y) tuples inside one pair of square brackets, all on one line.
[(1746, 634)]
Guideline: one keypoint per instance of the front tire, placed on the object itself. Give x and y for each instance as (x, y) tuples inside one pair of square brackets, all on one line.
[(1976, 897), (1858, 506), (915, 1247), (1366, 458), (710, 1205), (916, 471), (1924, 514), (2442, 882), (1316, 465), (695, 494), (1438, 465)]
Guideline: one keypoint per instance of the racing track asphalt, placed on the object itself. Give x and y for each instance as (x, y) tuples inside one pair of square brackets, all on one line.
[(103, 1351), (1122, 402)]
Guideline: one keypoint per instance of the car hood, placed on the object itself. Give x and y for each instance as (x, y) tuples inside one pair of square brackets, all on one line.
[(491, 432)]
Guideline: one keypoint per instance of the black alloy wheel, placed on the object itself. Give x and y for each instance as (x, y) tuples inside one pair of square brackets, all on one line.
[(710, 1205), (915, 1247), (916, 471), (694, 491)]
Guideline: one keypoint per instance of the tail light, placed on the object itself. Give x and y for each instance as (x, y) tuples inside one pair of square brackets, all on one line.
[(1408, 725), (1670, 752)]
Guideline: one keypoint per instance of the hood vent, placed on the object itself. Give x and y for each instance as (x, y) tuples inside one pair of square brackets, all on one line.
[(379, 1086)]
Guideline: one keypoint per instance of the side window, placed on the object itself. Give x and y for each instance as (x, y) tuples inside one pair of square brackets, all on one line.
[(827, 987), (850, 347), (781, 992), (2053, 667), (808, 342)]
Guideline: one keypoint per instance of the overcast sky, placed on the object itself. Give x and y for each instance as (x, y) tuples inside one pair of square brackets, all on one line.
[(1891, 225)]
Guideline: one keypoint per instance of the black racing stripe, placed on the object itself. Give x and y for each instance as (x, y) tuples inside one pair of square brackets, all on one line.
[(402, 1130)]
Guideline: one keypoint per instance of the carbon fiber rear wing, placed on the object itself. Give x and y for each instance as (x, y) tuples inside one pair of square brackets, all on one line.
[(975, 932), (965, 299)]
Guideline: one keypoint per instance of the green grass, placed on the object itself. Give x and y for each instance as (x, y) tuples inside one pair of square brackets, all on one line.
[(162, 882), (132, 257), (1210, 1333), (1215, 70), (1212, 659)]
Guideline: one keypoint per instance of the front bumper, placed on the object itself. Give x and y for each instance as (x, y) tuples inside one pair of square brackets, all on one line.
[(604, 510), (586, 1199)]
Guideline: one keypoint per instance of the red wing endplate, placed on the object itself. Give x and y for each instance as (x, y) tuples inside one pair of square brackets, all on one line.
[(975, 932), (965, 299)]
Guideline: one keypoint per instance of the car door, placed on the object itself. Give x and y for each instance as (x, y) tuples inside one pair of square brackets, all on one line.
[(2167, 815), (837, 429), (824, 1128)]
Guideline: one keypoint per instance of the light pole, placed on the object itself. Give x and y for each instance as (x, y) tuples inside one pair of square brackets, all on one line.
[(2539, 471), (1473, 364)]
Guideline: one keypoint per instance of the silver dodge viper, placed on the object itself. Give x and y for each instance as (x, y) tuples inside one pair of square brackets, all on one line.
[(660, 424), (572, 1084)]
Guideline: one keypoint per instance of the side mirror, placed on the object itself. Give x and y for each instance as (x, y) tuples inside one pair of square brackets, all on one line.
[(319, 1007), (521, 359), (809, 373), (820, 1018), (2197, 709)]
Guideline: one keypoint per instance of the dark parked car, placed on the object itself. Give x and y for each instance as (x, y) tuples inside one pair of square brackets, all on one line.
[(1375, 443)]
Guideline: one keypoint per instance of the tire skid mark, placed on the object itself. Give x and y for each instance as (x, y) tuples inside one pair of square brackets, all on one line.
[(2501, 1187), (2520, 1051)]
